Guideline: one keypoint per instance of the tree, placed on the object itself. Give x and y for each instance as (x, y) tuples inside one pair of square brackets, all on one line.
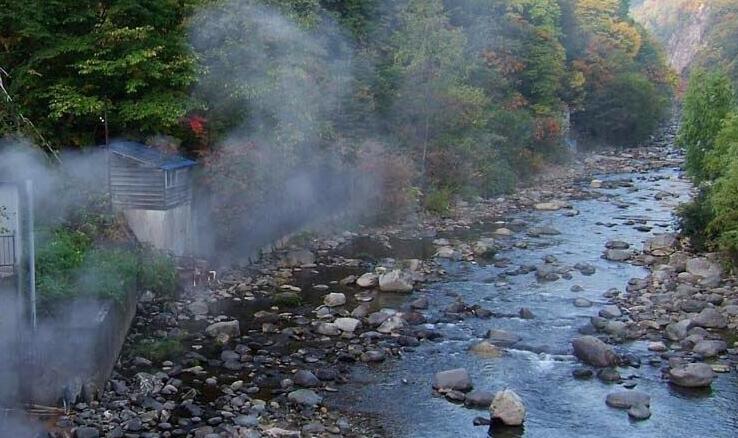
[(71, 64), (709, 99)]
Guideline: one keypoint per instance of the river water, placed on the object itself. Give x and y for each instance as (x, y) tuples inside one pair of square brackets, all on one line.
[(397, 395)]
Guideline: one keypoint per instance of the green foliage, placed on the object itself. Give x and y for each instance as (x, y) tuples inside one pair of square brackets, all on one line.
[(438, 202), (287, 300), (709, 99), (694, 217), (157, 273), (498, 179), (159, 350), (107, 273), (72, 63)]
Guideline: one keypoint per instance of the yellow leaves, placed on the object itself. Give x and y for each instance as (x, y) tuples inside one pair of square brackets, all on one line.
[(627, 37)]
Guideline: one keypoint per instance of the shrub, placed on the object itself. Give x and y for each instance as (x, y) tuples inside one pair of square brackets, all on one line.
[(694, 216), (158, 273), (497, 179), (108, 274), (438, 201), (159, 350)]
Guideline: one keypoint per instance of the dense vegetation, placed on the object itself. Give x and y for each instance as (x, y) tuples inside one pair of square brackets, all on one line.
[(452, 97), (709, 133)]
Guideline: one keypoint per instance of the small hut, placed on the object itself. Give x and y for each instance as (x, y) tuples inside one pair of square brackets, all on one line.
[(154, 191)]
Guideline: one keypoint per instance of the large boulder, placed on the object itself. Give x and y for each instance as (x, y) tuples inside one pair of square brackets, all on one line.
[(710, 318), (593, 351), (392, 324), (693, 375), (660, 245), (508, 408), (297, 258), (708, 270), (676, 331), (502, 338), (708, 348), (230, 329), (617, 255), (485, 247), (347, 324), (456, 379), (395, 281)]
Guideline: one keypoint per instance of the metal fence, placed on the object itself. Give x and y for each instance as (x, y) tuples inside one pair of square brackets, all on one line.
[(7, 252)]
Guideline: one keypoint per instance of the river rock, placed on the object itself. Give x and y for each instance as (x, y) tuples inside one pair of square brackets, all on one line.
[(710, 318), (626, 399), (611, 312), (231, 329), (693, 375), (297, 258), (368, 280), (446, 252), (395, 281), (709, 348), (485, 247), (582, 302), (392, 324), (485, 349), (334, 299), (373, 356), (704, 268), (617, 255), (660, 245), (593, 351), (639, 412), (305, 379), (457, 379), (198, 308), (304, 397), (676, 331), (550, 206), (502, 338), (327, 329), (508, 408), (86, 432), (478, 399), (347, 324)]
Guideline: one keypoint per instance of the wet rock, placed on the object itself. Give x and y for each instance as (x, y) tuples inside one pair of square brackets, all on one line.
[(502, 338), (507, 407), (617, 244), (543, 231), (228, 328), (408, 341), (708, 348), (627, 399), (582, 302), (304, 397), (611, 312), (199, 308), (347, 324), (392, 324), (297, 258), (420, 304), (608, 375), (593, 351), (639, 412), (693, 375), (361, 310), (457, 379), (526, 313), (481, 421), (660, 245), (710, 318), (395, 281), (486, 247), (585, 268), (446, 252), (377, 318), (486, 349), (546, 272), (550, 206), (617, 255), (455, 396), (582, 373), (305, 379), (657, 346), (334, 299), (368, 280), (478, 399)]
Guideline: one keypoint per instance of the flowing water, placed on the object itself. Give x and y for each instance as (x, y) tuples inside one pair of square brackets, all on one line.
[(398, 395)]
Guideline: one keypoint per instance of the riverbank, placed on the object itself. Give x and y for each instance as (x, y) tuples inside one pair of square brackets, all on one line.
[(275, 348)]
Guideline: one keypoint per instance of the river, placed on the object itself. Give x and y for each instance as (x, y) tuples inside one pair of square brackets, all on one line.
[(397, 394)]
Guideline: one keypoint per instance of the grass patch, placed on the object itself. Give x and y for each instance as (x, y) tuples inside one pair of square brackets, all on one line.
[(159, 350)]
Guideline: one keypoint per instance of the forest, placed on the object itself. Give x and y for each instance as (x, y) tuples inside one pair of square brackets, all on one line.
[(429, 99)]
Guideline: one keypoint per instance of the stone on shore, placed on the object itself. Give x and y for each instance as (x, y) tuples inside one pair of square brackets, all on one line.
[(304, 397), (230, 329), (368, 280), (395, 281), (334, 299)]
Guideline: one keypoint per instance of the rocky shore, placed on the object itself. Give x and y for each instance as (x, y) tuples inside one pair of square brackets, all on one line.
[(262, 350)]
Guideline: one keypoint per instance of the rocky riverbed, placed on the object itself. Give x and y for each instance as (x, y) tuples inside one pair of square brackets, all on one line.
[(569, 307)]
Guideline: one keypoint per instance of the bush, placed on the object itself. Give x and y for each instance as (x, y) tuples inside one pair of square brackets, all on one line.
[(438, 201), (159, 350), (498, 179), (158, 274), (694, 216), (108, 274)]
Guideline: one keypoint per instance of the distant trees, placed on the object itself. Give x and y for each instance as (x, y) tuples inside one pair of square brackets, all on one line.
[(73, 63)]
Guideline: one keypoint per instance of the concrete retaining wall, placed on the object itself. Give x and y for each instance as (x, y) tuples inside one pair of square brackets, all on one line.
[(166, 230)]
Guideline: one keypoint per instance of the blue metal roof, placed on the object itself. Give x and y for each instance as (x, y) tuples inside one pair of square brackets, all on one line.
[(149, 156)]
